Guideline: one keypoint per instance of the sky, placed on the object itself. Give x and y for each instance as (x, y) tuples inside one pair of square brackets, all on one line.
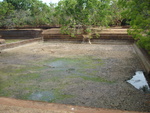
[(47, 1)]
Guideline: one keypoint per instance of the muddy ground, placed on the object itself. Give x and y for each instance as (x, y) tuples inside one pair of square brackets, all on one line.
[(77, 74)]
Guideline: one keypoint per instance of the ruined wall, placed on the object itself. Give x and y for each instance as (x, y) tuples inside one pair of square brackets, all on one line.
[(144, 57), (20, 34), (19, 43), (107, 34)]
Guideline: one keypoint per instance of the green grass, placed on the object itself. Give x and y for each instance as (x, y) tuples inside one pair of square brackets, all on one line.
[(82, 62), (95, 79), (12, 40), (53, 79), (59, 96), (22, 80), (27, 68)]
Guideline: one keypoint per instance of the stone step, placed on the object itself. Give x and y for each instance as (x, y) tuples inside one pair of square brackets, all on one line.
[(80, 38), (113, 34), (104, 31), (2, 41)]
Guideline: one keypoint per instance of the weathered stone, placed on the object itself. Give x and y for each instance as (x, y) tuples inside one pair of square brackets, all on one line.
[(20, 33), (2, 41), (105, 34)]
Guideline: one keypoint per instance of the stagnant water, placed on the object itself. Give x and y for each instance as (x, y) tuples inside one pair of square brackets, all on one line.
[(139, 82), (42, 96)]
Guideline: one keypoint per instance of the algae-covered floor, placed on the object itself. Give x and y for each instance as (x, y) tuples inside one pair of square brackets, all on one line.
[(77, 74)]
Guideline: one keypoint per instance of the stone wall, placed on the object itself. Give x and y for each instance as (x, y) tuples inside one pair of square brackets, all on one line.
[(144, 57), (106, 34), (19, 43), (20, 34)]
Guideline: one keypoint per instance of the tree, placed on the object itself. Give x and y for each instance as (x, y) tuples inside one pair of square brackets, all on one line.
[(83, 12), (17, 18), (31, 12), (138, 11), (20, 4), (41, 12), (11, 17), (115, 18), (5, 10), (54, 17)]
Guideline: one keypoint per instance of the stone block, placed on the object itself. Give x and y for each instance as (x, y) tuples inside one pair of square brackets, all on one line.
[(2, 41)]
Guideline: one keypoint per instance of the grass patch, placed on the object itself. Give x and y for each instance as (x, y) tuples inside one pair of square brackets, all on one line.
[(54, 79), (95, 79), (27, 77), (83, 62), (23, 80), (28, 68), (13, 40), (60, 96)]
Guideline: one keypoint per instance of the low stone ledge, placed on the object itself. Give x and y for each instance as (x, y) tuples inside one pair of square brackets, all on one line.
[(107, 34), (144, 57), (19, 43), (2, 41), (20, 33), (61, 37)]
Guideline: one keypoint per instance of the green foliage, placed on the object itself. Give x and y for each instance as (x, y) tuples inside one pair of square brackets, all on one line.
[(97, 35), (5, 10), (138, 11), (115, 17), (17, 18), (72, 15), (75, 13), (20, 4), (25, 12), (88, 30)]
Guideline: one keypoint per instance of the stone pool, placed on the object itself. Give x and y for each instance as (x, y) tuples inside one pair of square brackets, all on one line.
[(77, 74)]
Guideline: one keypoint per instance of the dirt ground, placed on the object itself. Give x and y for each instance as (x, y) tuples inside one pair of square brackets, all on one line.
[(8, 105), (77, 74)]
